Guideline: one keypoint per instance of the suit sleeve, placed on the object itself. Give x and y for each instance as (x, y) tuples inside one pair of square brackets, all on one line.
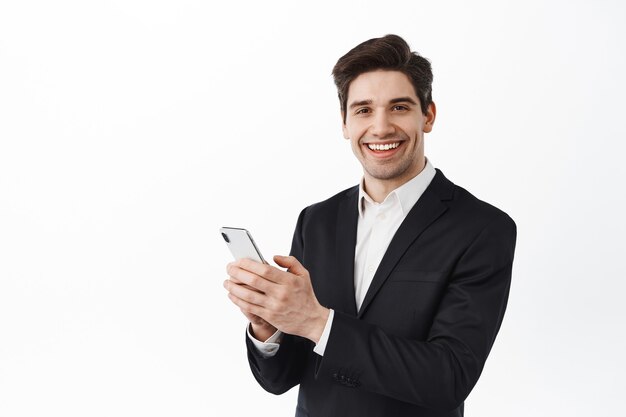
[(281, 372), (438, 373)]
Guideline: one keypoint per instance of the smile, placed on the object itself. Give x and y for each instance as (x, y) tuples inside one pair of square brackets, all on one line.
[(383, 147)]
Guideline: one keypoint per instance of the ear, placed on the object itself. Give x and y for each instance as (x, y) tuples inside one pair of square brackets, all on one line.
[(344, 128), (429, 117)]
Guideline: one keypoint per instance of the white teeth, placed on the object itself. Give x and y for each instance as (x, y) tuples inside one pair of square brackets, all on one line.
[(385, 147)]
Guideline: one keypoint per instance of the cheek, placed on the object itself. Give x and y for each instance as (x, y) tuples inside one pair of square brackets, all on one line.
[(412, 129), (354, 144), (417, 140), (356, 133), (355, 129)]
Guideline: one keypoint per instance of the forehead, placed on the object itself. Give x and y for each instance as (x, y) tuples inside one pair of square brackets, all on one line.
[(380, 86)]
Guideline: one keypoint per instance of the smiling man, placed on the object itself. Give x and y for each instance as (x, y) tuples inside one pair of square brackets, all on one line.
[(396, 288)]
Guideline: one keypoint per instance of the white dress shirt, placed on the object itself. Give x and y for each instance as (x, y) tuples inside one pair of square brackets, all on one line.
[(377, 224)]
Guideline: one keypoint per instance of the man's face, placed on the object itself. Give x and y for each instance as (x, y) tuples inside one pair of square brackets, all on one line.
[(386, 126)]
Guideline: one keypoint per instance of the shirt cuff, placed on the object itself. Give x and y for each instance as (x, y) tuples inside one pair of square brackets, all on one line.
[(268, 348), (321, 345)]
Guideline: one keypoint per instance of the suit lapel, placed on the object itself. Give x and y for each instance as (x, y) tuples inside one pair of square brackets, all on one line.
[(347, 217), (427, 209)]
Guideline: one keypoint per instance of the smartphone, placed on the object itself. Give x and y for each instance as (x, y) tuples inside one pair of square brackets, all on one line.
[(241, 244)]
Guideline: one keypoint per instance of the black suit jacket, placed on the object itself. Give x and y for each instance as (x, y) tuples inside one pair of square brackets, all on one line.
[(421, 338)]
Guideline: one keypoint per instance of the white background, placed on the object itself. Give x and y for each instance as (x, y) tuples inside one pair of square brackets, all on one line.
[(130, 131)]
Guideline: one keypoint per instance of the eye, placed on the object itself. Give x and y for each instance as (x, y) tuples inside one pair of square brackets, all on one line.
[(363, 110), (400, 107)]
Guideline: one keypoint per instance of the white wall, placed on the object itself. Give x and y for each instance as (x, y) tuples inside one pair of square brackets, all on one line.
[(130, 131)]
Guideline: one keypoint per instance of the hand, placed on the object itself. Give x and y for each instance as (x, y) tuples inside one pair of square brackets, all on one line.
[(285, 299), (260, 328)]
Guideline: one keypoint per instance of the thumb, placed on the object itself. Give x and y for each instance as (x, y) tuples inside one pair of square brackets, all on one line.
[(291, 263)]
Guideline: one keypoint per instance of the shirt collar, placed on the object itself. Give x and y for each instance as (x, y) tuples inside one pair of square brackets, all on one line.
[(407, 194)]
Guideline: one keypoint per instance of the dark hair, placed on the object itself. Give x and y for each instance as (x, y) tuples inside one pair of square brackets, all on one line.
[(390, 52)]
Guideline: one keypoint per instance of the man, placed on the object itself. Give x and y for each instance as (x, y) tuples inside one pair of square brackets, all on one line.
[(395, 289)]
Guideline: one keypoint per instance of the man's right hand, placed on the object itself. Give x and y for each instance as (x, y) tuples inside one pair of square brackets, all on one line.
[(260, 329)]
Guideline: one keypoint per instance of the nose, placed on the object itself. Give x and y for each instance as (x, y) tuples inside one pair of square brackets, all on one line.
[(381, 125)]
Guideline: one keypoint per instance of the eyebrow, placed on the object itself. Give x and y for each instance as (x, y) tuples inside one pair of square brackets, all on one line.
[(392, 101), (360, 103), (402, 100)]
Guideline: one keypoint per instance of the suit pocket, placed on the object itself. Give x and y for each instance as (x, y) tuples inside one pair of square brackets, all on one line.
[(417, 276)]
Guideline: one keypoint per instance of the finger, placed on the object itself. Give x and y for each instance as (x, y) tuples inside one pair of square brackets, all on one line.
[(251, 288), (246, 307), (291, 263), (230, 267), (250, 295), (243, 276), (236, 281), (266, 271)]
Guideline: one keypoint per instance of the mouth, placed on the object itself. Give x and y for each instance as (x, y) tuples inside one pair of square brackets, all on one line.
[(382, 150), (383, 146)]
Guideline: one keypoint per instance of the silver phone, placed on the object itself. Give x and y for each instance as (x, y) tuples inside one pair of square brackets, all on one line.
[(241, 244)]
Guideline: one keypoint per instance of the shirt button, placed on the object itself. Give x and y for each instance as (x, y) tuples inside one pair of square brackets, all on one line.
[(371, 269), (382, 216)]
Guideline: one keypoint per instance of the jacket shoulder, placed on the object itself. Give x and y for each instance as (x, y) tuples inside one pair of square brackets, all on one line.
[(465, 205), (331, 204)]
